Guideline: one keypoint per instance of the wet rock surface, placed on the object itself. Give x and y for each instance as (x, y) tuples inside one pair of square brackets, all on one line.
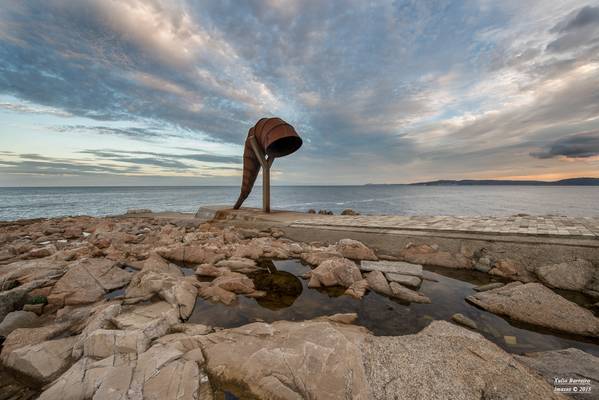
[(566, 364), (574, 275), (17, 319), (535, 304)]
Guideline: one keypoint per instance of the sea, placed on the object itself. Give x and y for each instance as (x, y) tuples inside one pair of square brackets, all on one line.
[(484, 200)]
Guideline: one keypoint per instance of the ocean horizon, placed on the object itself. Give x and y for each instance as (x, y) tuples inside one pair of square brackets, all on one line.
[(395, 199)]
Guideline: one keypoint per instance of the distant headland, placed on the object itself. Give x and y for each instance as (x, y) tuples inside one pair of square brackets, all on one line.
[(472, 182)]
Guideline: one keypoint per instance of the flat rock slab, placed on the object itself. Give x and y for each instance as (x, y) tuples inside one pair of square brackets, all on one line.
[(406, 280), (163, 372), (536, 304), (87, 280), (566, 363), (397, 267)]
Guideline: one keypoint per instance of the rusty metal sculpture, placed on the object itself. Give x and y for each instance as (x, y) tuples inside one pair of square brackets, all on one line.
[(270, 137)]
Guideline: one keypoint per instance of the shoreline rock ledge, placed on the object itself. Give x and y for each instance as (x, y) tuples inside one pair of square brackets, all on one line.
[(323, 359), (535, 304)]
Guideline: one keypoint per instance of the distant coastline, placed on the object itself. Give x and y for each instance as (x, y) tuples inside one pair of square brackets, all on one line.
[(473, 182)]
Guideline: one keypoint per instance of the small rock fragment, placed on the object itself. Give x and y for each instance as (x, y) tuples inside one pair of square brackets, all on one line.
[(357, 289), (464, 320), (403, 293), (488, 286)]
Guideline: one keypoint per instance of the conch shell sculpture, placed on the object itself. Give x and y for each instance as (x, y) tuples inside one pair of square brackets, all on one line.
[(270, 137)]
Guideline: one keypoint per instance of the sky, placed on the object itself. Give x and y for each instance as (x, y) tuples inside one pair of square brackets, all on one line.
[(132, 92)]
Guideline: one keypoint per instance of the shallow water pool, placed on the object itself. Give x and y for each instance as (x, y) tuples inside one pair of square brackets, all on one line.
[(289, 298)]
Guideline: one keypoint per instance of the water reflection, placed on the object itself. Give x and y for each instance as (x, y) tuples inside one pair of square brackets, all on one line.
[(282, 288), (289, 298)]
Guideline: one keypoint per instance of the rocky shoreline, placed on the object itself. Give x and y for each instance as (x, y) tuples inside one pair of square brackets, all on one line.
[(98, 308)]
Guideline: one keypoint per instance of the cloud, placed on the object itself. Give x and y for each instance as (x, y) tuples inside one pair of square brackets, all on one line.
[(60, 167), (117, 163), (137, 133), (124, 155), (377, 90), (32, 109), (581, 28), (576, 146), (129, 60)]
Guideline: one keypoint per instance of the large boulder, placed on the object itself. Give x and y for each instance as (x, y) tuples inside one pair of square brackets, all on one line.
[(210, 270), (355, 250), (18, 319), (235, 282), (158, 264), (315, 257), (567, 364), (335, 272), (22, 337), (536, 304), (87, 281), (154, 319), (238, 264), (267, 247), (248, 251), (102, 343), (13, 298), (288, 360), (100, 318), (572, 275), (46, 269), (42, 362), (217, 294), (464, 365), (322, 359), (192, 254), (181, 292)]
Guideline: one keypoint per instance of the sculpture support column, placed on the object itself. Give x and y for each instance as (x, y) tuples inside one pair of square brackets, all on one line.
[(265, 163), (266, 188)]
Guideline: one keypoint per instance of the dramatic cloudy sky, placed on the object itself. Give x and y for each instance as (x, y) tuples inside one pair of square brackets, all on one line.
[(100, 92)]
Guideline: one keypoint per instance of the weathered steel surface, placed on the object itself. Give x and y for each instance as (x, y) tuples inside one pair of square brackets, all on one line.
[(274, 138)]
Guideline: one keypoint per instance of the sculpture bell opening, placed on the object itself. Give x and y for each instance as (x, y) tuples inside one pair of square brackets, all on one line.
[(284, 141)]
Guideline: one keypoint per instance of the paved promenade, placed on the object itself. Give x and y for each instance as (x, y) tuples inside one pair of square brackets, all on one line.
[(555, 226), (560, 227)]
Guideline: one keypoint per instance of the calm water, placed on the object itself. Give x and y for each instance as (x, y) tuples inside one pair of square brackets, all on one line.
[(18, 203), (289, 298)]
